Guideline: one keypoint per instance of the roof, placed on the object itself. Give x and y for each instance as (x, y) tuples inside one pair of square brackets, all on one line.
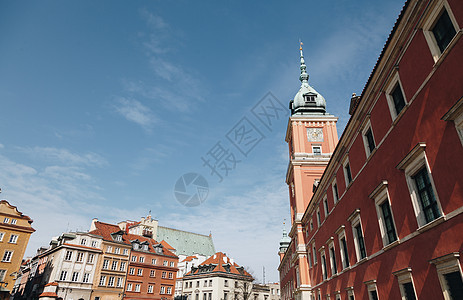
[(189, 258), (186, 243), (219, 263), (20, 214), (48, 294), (106, 230)]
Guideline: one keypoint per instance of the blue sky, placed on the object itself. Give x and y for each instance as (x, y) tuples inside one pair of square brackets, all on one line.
[(105, 104)]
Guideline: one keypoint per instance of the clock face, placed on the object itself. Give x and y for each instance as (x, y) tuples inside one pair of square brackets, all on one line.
[(315, 134)]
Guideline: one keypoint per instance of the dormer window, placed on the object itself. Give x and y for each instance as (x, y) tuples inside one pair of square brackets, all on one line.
[(145, 247), (136, 246), (309, 98), (118, 238)]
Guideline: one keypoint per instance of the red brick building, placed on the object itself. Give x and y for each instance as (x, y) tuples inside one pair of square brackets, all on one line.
[(385, 220)]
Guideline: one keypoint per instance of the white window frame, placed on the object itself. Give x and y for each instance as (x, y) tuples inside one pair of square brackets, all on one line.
[(355, 220), (111, 281), (80, 256), (447, 264), (350, 292), (13, 239), (315, 260), (75, 276), (139, 272), (318, 147), (132, 271), (122, 266), (125, 252), (371, 286), (137, 287), (333, 265), (129, 287), (114, 265), (90, 258), (455, 114), (106, 264), (102, 280), (323, 254), (13, 221), (120, 282), (404, 276), (63, 275), (326, 207), (395, 80), (2, 234), (152, 273), (117, 250), (413, 162), (141, 259), (430, 21), (380, 195), (335, 188), (365, 129), (319, 217), (344, 169), (86, 278), (341, 232), (150, 289), (68, 255)]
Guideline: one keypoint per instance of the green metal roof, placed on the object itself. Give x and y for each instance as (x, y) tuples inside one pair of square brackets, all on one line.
[(186, 243)]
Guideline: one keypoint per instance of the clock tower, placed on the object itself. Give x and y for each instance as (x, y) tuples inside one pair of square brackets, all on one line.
[(312, 138)]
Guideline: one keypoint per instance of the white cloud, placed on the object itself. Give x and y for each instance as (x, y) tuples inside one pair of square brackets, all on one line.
[(64, 156), (136, 112)]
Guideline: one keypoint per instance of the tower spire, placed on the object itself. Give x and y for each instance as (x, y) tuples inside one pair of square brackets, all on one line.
[(304, 77)]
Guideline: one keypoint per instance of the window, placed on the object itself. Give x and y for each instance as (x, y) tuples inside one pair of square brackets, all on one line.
[(383, 210), (63, 275), (404, 277), (368, 139), (164, 263), (350, 293), (117, 250), (334, 269), (125, 251), (13, 239), (75, 276), (137, 287), (140, 272), (314, 254), (102, 280), (440, 28), (325, 205), (225, 296), (319, 221), (359, 242), (163, 275), (169, 290), (141, 259), (421, 186), (150, 289), (86, 278), (395, 97), (163, 290), (94, 244), (317, 150), (152, 273), (119, 238), (83, 241), (80, 256), (344, 252), (145, 247), (90, 258), (205, 283), (172, 264), (6, 220), (120, 282), (129, 287), (68, 255), (323, 259), (372, 292), (347, 172), (171, 275), (210, 282), (109, 249), (450, 277), (153, 261), (13, 221), (197, 283), (335, 192), (455, 114), (111, 281), (106, 264), (122, 266), (225, 283), (311, 224), (134, 258), (114, 265), (132, 271), (2, 234)]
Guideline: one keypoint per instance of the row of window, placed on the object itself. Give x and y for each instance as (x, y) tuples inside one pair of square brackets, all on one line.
[(189, 284), (80, 256), (164, 274), (7, 256), (112, 281), (13, 238), (150, 289), (75, 277), (117, 250), (93, 243), (115, 265), (448, 270), (141, 259), (7, 220)]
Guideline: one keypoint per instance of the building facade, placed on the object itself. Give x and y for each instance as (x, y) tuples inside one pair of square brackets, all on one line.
[(15, 231), (218, 278), (385, 220)]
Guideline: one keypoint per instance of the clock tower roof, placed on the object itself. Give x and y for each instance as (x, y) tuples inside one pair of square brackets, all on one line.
[(307, 99)]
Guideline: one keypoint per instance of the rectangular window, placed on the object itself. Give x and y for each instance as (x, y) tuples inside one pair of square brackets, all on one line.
[(344, 252), (361, 242), (398, 99), (122, 266), (80, 256), (324, 269), (426, 195), (169, 290), (2, 234), (120, 282), (454, 284), (114, 265), (368, 139), (63, 275), (141, 259), (335, 192), (83, 242), (347, 173), (125, 251), (373, 295), (90, 258), (134, 258), (325, 204), (205, 283), (13, 239), (102, 280), (153, 261), (171, 275), (443, 31), (109, 249), (111, 281), (163, 290), (319, 221), (163, 275), (105, 264), (225, 283), (6, 220), (68, 255), (334, 269), (152, 273), (86, 278), (132, 271), (75, 276), (140, 272), (150, 289), (137, 288), (129, 287), (388, 222), (117, 250), (164, 263), (13, 221), (314, 255), (409, 291), (94, 244), (317, 150), (172, 264)]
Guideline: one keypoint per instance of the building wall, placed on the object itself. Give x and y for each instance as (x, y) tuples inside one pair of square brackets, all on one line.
[(420, 133)]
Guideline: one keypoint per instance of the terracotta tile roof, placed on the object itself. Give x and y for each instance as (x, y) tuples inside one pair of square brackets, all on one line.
[(105, 230), (219, 262), (165, 244), (48, 294), (189, 258), (81, 246), (52, 283)]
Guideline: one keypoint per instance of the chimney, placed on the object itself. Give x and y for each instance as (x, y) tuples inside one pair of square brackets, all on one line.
[(354, 101), (93, 226)]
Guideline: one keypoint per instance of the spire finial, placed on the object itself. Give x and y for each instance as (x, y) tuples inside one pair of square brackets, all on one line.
[(304, 78)]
